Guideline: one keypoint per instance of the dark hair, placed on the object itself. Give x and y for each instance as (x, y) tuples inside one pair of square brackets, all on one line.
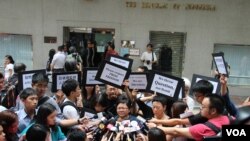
[(124, 100), (1, 75), (216, 102), (70, 65), (160, 99), (203, 86), (156, 134), (72, 49), (126, 55), (76, 135), (19, 67), (243, 115), (36, 132), (178, 108), (60, 48), (27, 92), (110, 44), (144, 68), (7, 118), (52, 52), (68, 86), (39, 77), (150, 45), (43, 112), (10, 58), (101, 99)]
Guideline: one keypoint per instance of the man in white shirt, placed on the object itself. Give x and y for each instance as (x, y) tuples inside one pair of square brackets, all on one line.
[(58, 61), (148, 57), (72, 90)]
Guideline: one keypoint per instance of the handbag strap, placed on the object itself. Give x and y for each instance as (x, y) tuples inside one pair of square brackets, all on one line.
[(153, 56)]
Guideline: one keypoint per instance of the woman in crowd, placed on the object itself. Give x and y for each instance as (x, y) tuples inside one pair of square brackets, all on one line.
[(8, 67), (159, 108), (2, 134), (52, 52), (37, 132), (9, 121), (89, 97), (46, 116)]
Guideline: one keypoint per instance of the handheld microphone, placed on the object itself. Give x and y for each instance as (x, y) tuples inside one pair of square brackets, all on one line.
[(143, 122)]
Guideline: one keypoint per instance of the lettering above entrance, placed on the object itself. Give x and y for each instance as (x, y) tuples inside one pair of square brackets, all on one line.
[(175, 6)]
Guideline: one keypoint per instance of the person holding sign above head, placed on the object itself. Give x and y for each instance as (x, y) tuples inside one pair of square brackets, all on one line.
[(149, 57)]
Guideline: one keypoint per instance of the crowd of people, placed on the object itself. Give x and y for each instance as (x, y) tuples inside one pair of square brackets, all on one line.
[(79, 113)]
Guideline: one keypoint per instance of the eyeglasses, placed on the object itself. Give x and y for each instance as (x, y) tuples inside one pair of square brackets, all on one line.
[(122, 108), (204, 107)]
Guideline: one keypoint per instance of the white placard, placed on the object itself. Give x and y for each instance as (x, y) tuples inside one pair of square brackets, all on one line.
[(61, 78), (27, 80), (164, 85), (137, 81), (215, 84), (120, 62), (90, 78), (134, 51), (220, 64), (113, 74), (180, 94)]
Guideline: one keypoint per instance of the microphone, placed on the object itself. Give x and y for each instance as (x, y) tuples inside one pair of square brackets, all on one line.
[(97, 133), (143, 122)]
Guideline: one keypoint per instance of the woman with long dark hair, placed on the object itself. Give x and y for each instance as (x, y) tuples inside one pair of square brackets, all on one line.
[(9, 122), (46, 116), (52, 52)]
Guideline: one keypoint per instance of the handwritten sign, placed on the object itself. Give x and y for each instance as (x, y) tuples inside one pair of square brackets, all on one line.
[(59, 78), (165, 84), (89, 77), (138, 81), (62, 78), (26, 78), (112, 74)]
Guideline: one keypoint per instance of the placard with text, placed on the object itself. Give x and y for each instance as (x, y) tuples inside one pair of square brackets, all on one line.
[(220, 63), (25, 78), (59, 78), (138, 81), (124, 62), (89, 75), (165, 84), (215, 82), (112, 74)]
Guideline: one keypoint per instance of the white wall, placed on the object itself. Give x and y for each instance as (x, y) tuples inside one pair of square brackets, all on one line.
[(229, 23)]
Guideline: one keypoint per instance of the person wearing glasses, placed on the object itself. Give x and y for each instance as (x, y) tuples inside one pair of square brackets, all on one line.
[(212, 108)]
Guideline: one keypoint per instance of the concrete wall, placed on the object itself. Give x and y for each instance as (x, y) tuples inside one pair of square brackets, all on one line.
[(229, 23)]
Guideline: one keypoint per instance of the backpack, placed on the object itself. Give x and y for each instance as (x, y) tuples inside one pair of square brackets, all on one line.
[(42, 101), (65, 130)]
